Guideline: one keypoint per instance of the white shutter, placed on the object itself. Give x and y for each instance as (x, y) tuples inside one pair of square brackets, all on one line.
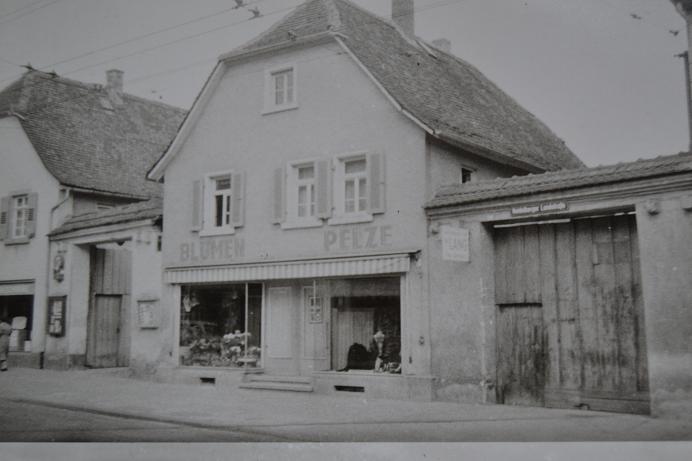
[(4, 217), (279, 214), (197, 204), (238, 197), (323, 201), (31, 215), (376, 179)]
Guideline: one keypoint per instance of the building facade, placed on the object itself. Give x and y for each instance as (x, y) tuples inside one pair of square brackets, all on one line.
[(570, 288), (67, 149), (295, 240)]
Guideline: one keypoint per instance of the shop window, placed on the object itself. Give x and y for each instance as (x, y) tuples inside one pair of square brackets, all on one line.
[(19, 310), (220, 326), (366, 332)]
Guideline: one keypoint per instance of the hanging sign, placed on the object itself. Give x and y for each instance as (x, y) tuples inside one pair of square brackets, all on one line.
[(455, 244)]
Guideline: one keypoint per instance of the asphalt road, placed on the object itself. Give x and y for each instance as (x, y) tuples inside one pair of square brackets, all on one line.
[(24, 422)]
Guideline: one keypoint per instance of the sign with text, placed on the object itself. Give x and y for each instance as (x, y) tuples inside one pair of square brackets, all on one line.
[(357, 238), (212, 250), (148, 313), (56, 315), (539, 208), (455, 244)]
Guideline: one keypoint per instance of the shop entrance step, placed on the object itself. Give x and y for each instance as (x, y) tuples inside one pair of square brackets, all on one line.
[(277, 383)]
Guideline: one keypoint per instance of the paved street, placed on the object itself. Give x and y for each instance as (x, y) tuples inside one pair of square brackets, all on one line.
[(25, 422), (41, 405)]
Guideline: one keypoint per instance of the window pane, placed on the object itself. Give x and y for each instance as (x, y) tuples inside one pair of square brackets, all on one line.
[(362, 195), (306, 172), (312, 200), (227, 199), (302, 200), (218, 327), (289, 86), (223, 183), (218, 216), (354, 166)]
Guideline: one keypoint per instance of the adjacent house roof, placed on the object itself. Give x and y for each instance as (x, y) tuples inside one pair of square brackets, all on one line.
[(444, 92), (518, 186), (88, 139), (447, 96), (139, 211)]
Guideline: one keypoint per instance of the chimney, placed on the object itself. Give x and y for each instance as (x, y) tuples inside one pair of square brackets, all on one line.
[(402, 15), (114, 86), (443, 44)]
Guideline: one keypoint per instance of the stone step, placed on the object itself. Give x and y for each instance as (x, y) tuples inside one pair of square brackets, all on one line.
[(278, 379), (276, 386)]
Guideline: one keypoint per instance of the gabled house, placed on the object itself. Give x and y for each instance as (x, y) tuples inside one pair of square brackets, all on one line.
[(295, 239), (66, 148)]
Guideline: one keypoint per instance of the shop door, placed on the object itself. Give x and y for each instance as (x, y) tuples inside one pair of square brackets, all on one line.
[(282, 338), (107, 334), (570, 325), (315, 337)]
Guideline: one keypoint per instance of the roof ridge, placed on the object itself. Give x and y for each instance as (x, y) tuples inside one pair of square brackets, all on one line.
[(152, 101)]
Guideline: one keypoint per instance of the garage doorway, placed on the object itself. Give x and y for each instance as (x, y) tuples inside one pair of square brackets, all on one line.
[(570, 322)]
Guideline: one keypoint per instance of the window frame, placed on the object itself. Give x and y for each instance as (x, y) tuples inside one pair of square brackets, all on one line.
[(292, 184), (14, 209), (209, 205), (341, 216), (472, 174), (270, 105)]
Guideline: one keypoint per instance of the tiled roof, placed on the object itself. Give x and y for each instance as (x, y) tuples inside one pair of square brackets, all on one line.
[(481, 191), (87, 141), (444, 92), (150, 209)]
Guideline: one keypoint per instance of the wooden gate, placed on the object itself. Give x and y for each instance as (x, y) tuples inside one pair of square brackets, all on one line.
[(570, 324), (107, 333)]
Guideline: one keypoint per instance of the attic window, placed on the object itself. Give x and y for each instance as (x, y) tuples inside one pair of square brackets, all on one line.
[(280, 89), (466, 175)]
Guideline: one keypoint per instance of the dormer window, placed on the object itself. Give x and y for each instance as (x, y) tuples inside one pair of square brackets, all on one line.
[(466, 175), (280, 89)]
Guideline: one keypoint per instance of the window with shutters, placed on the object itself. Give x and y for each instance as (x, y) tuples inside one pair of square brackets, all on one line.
[(358, 188), (223, 203), (280, 89), (301, 195), (18, 218)]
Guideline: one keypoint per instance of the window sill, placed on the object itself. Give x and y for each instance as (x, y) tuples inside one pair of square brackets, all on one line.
[(302, 224), (354, 218), (275, 109), (216, 232)]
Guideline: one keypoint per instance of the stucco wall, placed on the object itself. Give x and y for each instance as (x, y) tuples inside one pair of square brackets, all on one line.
[(665, 241), (340, 111), (463, 306), (22, 170)]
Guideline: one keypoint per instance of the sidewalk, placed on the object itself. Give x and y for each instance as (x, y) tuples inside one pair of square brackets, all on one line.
[(310, 417)]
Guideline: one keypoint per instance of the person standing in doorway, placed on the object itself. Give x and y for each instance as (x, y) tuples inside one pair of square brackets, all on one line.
[(5, 331)]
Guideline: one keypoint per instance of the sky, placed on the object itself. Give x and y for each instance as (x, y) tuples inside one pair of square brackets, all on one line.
[(602, 74)]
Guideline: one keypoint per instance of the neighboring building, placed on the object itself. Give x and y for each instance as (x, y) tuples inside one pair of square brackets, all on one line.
[(66, 148), (568, 289), (294, 225)]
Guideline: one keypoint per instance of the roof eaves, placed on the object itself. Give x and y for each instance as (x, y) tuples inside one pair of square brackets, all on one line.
[(242, 54), (486, 153)]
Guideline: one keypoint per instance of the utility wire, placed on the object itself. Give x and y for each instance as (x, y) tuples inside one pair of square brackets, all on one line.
[(136, 38), (148, 76), (19, 9), (26, 13)]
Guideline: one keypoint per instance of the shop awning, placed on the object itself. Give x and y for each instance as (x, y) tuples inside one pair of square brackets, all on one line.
[(333, 267)]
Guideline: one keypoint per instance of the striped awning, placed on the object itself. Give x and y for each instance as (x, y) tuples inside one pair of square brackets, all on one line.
[(283, 270)]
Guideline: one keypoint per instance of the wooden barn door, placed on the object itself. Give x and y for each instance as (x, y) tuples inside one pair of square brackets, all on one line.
[(107, 336), (570, 318)]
